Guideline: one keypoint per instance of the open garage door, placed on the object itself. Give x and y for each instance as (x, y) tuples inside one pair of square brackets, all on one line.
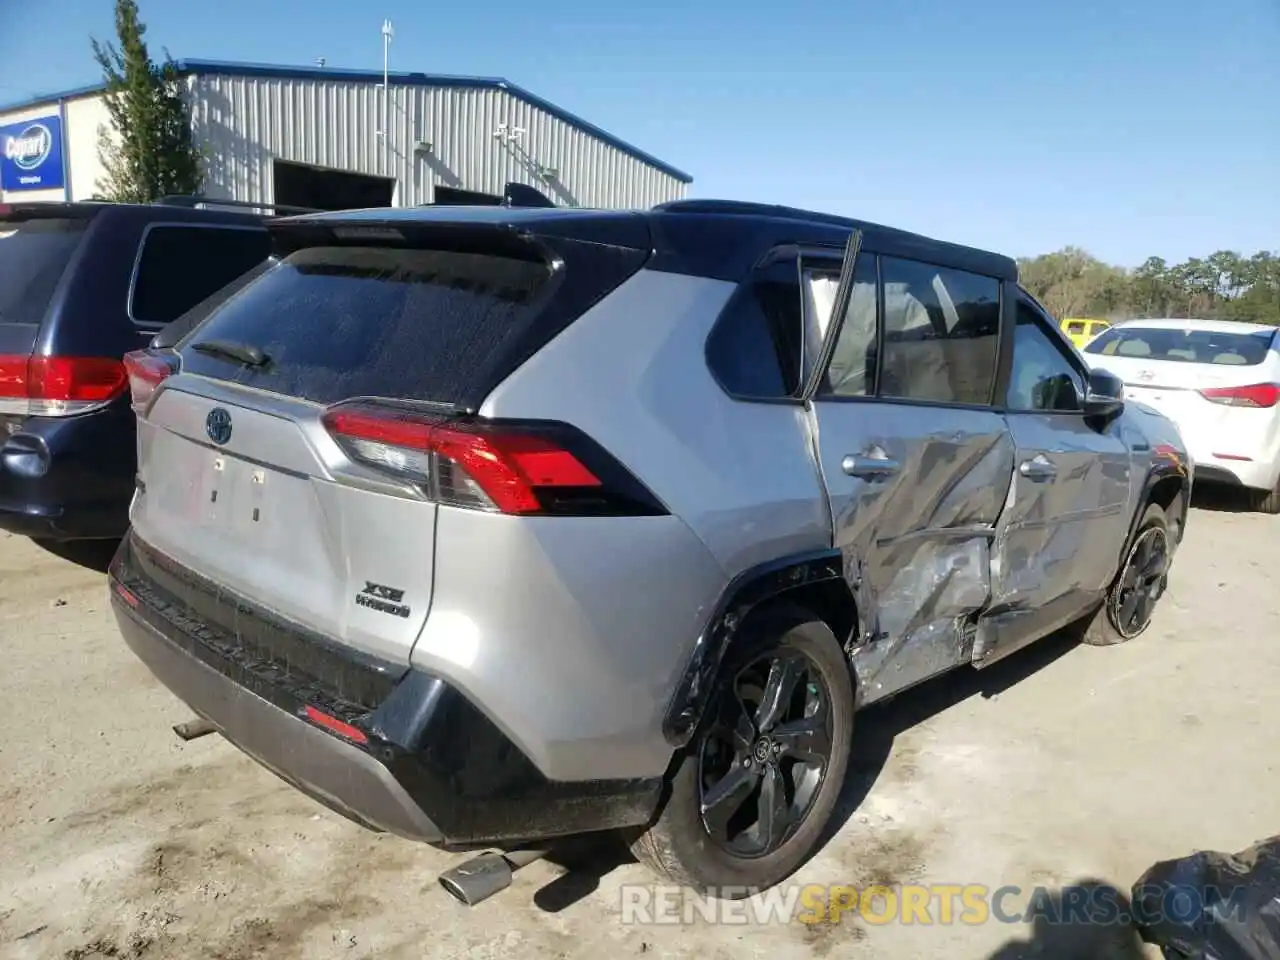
[(324, 188)]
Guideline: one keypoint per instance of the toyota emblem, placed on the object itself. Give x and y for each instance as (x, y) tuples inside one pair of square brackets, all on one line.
[(218, 425)]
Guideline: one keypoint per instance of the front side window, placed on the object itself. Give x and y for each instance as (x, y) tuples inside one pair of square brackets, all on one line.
[(1042, 378), (941, 333), (182, 265)]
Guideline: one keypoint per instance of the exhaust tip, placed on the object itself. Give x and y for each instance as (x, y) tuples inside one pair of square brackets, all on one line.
[(478, 879)]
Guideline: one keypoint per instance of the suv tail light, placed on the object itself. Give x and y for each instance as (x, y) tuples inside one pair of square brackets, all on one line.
[(513, 467), (145, 371), (1253, 395), (58, 386)]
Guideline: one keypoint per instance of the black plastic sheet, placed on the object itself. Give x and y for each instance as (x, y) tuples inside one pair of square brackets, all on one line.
[(1213, 906)]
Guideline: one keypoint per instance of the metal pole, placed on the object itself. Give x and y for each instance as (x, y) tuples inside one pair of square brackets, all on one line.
[(387, 34)]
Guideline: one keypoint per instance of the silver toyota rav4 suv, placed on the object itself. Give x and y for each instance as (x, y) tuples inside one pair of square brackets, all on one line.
[(486, 526)]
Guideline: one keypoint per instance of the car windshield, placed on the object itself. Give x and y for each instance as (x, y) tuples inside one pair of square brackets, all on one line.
[(33, 256), (1184, 345)]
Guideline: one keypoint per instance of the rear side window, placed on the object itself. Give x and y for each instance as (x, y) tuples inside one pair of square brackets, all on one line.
[(182, 265), (1075, 326), (1227, 348), (754, 349), (941, 331), (341, 322), (33, 257)]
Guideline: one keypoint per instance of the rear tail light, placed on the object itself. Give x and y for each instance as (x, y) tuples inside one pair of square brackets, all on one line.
[(145, 371), (513, 467), (58, 386), (1254, 395)]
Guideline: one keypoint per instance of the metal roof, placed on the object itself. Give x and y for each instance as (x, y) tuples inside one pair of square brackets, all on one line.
[(234, 68)]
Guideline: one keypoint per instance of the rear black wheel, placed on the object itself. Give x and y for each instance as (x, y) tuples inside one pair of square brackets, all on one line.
[(1140, 583), (754, 790)]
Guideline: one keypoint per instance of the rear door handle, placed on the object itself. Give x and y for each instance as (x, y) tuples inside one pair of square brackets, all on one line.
[(1039, 468), (870, 468)]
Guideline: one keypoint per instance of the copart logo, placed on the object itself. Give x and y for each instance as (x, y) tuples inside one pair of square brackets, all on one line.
[(30, 148)]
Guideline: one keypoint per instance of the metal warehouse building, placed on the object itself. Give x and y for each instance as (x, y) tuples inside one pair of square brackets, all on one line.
[(314, 137)]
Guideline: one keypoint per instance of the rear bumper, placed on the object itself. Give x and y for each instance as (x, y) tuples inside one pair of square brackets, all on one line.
[(69, 479), (418, 759), (340, 775), (1255, 474), (56, 522)]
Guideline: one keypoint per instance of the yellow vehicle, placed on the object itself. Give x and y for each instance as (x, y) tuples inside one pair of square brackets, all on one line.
[(1082, 329)]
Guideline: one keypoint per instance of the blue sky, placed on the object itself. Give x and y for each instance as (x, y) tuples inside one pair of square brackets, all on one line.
[(1130, 128)]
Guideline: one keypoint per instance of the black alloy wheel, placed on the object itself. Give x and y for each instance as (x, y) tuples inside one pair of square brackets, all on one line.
[(1141, 584), (763, 760)]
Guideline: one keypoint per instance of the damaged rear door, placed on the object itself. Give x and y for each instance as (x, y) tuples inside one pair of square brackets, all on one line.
[(916, 463)]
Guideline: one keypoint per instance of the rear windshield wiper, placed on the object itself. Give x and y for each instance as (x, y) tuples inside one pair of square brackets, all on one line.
[(244, 352)]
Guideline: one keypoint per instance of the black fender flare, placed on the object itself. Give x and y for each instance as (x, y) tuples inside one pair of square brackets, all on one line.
[(1165, 466), (740, 596)]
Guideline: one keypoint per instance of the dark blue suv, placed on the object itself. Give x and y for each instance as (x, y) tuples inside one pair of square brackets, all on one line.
[(81, 285)]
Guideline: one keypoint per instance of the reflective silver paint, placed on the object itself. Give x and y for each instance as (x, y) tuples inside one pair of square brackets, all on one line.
[(569, 633), (741, 475), (278, 515)]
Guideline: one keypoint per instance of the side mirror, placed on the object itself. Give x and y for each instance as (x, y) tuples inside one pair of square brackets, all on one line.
[(1104, 396)]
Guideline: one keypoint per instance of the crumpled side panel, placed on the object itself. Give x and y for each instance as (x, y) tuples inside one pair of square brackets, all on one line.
[(918, 549), (1213, 906)]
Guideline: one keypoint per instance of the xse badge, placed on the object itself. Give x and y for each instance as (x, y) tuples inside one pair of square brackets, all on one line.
[(384, 599)]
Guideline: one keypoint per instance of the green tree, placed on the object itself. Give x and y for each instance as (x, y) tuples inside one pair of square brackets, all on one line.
[(1223, 285), (147, 152)]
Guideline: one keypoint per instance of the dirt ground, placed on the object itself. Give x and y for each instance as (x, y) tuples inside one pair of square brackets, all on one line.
[(1063, 764)]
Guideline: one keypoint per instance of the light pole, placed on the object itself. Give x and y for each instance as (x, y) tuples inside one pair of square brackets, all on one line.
[(387, 34)]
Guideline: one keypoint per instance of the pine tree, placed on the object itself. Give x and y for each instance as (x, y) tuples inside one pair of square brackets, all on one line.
[(147, 151)]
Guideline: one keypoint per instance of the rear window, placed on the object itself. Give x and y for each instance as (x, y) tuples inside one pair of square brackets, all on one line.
[(340, 322), (33, 257), (182, 265), (1185, 346)]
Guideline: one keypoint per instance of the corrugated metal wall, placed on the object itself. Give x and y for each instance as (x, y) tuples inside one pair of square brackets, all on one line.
[(246, 121)]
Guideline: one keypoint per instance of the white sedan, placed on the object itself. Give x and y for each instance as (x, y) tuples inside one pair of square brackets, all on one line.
[(1219, 381)]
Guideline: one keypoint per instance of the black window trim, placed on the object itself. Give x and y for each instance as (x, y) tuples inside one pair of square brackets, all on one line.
[(152, 325), (767, 263), (1060, 342), (995, 398)]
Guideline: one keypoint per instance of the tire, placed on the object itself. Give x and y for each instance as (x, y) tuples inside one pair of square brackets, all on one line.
[(679, 845), (1145, 569)]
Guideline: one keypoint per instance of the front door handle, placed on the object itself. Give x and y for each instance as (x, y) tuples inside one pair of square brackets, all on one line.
[(1039, 468), (870, 468)]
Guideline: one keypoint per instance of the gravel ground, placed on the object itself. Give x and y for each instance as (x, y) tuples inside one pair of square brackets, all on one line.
[(1059, 766)]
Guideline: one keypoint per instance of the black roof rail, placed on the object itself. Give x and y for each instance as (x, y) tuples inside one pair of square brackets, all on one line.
[(747, 208), (177, 200)]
